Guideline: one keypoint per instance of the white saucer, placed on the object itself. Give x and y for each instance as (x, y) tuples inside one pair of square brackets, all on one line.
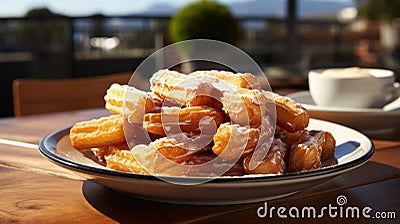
[(368, 120)]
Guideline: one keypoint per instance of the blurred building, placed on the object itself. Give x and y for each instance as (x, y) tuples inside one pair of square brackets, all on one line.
[(56, 46)]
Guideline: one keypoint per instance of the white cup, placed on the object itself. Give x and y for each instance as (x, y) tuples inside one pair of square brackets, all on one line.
[(353, 87)]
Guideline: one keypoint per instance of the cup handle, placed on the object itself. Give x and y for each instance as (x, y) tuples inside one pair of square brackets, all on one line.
[(395, 101), (392, 91), (396, 90)]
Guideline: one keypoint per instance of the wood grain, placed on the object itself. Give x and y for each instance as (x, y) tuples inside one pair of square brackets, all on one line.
[(33, 128), (28, 197), (31, 160), (34, 190)]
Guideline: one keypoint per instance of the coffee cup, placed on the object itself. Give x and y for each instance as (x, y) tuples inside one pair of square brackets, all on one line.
[(353, 87)]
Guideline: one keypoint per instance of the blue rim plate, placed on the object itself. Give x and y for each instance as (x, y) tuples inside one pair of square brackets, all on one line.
[(353, 149)]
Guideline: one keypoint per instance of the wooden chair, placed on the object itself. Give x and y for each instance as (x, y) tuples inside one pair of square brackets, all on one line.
[(33, 96)]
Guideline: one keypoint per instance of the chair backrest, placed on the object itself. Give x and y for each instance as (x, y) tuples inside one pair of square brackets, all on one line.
[(33, 96)]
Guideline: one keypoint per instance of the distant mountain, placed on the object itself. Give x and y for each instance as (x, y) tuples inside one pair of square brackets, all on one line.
[(161, 9), (269, 8)]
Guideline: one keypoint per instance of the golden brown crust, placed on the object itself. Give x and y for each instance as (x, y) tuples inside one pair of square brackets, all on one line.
[(171, 150), (129, 101), (274, 161), (233, 141), (178, 88), (237, 80), (328, 149), (288, 137), (157, 101), (103, 151), (189, 119), (97, 132), (290, 115), (115, 98), (205, 157), (167, 152), (306, 153), (123, 160), (245, 106), (190, 103)]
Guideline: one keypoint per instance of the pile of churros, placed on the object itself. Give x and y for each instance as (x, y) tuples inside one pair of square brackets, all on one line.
[(192, 119)]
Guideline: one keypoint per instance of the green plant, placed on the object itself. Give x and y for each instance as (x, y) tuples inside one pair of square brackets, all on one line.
[(42, 28), (379, 9), (204, 19)]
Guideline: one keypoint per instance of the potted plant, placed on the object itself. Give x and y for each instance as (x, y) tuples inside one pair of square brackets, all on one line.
[(204, 19)]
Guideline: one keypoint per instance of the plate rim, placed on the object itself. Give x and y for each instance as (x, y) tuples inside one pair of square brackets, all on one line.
[(47, 149)]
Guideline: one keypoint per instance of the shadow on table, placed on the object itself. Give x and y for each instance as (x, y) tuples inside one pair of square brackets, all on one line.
[(357, 190), (126, 209), (390, 135)]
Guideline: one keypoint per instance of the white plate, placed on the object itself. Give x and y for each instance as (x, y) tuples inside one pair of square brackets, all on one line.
[(353, 149), (368, 120)]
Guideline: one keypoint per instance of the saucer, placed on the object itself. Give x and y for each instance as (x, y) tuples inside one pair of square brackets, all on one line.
[(368, 120)]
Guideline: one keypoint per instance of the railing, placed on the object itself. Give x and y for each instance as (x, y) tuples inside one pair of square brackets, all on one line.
[(73, 39), (82, 46)]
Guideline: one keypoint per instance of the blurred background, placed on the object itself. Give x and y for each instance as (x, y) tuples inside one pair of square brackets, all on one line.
[(287, 38)]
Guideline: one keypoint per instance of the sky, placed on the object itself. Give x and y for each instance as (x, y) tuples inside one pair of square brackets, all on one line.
[(13, 8), (18, 8)]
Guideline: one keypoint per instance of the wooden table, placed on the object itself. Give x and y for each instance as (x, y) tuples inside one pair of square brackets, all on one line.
[(34, 190)]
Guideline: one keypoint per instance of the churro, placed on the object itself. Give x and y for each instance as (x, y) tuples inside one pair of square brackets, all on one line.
[(189, 119), (237, 80), (129, 101), (97, 132), (123, 160), (274, 161), (245, 106), (290, 115), (306, 153), (167, 152), (233, 141), (180, 89), (217, 118), (235, 169), (288, 137), (103, 151)]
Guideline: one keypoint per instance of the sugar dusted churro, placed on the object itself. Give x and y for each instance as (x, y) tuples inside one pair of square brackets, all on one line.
[(219, 119), (123, 160), (189, 119), (233, 141), (245, 106), (129, 101), (290, 115), (237, 80), (97, 132), (306, 153), (180, 89), (274, 161)]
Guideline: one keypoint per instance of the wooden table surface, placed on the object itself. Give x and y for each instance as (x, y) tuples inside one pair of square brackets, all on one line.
[(34, 190)]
